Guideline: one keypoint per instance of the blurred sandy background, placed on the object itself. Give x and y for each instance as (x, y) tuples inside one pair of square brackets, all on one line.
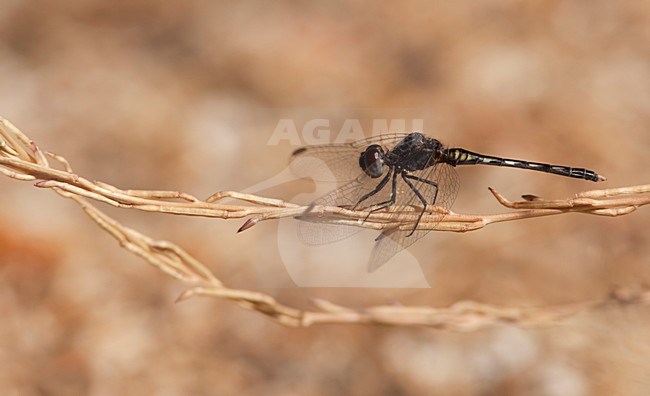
[(145, 94)]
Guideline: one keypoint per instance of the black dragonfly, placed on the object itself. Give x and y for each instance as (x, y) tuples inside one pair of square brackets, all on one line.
[(409, 170)]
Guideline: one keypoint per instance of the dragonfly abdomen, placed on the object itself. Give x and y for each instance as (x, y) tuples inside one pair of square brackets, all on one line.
[(458, 156)]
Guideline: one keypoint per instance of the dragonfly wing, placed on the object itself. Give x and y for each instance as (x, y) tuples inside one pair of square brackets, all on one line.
[(336, 162), (392, 241), (315, 229)]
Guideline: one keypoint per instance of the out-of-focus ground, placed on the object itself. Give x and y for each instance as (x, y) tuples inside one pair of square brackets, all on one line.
[(185, 96)]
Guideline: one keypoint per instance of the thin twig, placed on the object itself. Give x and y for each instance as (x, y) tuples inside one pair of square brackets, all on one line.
[(21, 159)]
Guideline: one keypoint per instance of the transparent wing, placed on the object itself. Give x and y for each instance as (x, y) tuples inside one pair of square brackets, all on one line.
[(437, 185), (314, 231), (336, 162), (392, 241)]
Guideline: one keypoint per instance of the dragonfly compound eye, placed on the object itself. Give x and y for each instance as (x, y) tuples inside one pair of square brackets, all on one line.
[(372, 161)]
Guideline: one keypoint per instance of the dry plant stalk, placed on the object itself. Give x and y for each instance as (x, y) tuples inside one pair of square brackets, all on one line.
[(21, 159)]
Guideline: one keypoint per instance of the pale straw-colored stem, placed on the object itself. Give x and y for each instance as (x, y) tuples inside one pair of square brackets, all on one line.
[(21, 159)]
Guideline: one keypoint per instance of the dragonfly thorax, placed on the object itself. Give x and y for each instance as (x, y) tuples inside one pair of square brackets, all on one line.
[(415, 152)]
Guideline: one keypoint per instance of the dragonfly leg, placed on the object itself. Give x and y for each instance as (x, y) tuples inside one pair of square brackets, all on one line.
[(385, 204), (427, 181), (378, 188), (406, 178)]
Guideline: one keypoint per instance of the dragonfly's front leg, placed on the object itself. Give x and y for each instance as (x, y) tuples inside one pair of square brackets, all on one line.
[(378, 188)]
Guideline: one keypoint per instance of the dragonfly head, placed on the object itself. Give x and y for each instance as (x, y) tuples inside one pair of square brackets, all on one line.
[(371, 161)]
